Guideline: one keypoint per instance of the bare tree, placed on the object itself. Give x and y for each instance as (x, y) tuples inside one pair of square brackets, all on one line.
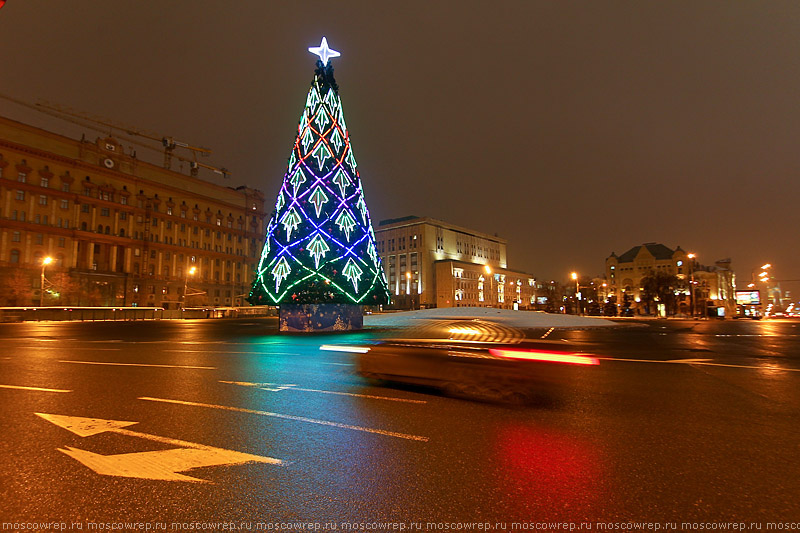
[(64, 290), (17, 289)]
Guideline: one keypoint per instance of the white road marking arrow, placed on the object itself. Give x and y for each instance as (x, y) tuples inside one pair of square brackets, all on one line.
[(160, 465)]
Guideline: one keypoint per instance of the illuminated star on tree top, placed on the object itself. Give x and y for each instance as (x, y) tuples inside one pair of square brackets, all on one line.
[(323, 51)]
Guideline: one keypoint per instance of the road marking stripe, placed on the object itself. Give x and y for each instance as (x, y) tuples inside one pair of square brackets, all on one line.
[(290, 417), (62, 348), (339, 364), (264, 386), (32, 388), (139, 364), (696, 362), (209, 351)]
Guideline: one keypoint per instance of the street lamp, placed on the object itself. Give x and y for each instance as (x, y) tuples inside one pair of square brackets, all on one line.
[(691, 281), (189, 272), (45, 261), (408, 290), (488, 270), (574, 276)]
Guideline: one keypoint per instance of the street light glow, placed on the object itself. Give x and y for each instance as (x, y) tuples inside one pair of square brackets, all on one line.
[(574, 275), (192, 271), (47, 260), (764, 267)]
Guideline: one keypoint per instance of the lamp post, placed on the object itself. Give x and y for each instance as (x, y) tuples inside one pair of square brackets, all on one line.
[(45, 261), (189, 272), (488, 270), (408, 290), (574, 276), (763, 277), (691, 281)]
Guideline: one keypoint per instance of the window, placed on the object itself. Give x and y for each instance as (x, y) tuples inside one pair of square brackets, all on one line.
[(64, 204), (22, 177), (65, 187), (84, 208), (14, 258), (219, 222), (194, 216), (183, 213), (45, 181), (39, 238), (104, 212), (137, 252), (61, 242), (123, 200), (20, 195), (14, 214), (16, 236), (87, 191), (169, 210)]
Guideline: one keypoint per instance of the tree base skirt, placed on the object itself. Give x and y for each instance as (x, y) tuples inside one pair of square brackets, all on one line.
[(310, 318)]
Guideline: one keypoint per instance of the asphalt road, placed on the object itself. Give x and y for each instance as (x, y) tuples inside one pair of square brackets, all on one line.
[(682, 421)]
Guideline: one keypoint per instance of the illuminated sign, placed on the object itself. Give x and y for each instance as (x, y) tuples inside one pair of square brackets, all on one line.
[(748, 298)]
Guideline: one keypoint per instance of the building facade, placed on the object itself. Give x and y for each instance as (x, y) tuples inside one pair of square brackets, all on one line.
[(430, 263), (120, 231), (713, 285)]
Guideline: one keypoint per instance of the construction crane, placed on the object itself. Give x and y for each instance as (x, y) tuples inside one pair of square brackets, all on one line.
[(169, 144)]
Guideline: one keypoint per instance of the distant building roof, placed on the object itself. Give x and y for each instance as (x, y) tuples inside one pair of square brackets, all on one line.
[(659, 251), (393, 220)]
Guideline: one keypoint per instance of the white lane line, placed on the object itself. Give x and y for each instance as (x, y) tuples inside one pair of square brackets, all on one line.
[(40, 389), (273, 387), (82, 348), (699, 362), (139, 364), (339, 364), (209, 351), (291, 417)]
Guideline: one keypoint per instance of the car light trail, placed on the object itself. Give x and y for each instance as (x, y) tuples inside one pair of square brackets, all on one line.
[(552, 357), (343, 348)]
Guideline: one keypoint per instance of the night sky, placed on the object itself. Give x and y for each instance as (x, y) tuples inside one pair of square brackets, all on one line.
[(572, 129)]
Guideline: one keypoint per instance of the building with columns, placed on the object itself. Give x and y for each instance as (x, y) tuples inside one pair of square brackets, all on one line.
[(120, 231), (431, 263)]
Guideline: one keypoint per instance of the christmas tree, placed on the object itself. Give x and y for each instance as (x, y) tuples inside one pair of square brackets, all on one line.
[(320, 245)]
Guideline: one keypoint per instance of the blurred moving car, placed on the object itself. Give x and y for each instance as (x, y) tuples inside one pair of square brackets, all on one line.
[(473, 359)]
